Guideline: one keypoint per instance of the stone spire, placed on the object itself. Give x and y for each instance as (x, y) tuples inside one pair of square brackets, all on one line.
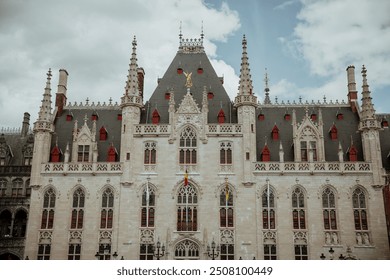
[(367, 117), (45, 112), (368, 111), (266, 89), (132, 95), (245, 87), (131, 87)]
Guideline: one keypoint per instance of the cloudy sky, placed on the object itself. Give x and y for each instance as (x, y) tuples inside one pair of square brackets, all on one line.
[(305, 45)]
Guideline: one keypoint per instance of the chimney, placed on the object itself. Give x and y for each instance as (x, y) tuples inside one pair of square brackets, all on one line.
[(61, 91), (141, 75), (352, 92), (25, 124)]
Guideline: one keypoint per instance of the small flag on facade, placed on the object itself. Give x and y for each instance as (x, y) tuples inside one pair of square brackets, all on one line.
[(186, 178)]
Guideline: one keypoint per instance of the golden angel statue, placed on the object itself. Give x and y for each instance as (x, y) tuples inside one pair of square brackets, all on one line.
[(188, 81)]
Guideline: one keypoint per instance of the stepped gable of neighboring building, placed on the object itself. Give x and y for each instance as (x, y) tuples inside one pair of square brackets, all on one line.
[(190, 64), (281, 116)]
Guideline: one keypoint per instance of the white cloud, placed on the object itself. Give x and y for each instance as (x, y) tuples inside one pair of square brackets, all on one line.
[(92, 40), (330, 35)]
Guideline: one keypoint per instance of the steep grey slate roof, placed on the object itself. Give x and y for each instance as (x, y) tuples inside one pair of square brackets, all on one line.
[(189, 62), (16, 143), (346, 128), (106, 117)]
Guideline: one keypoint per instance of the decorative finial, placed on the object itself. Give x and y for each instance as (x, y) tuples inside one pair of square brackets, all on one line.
[(201, 33), (180, 32), (266, 80)]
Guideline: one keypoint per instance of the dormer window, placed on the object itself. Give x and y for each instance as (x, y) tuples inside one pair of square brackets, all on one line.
[(261, 117), (352, 153), (333, 132), (313, 117), (167, 96), (339, 116), (103, 134), (55, 154), (385, 124), (83, 153), (69, 117), (266, 154), (94, 117), (275, 133), (119, 117), (210, 95), (221, 116), (287, 117), (155, 117), (112, 154), (179, 71), (200, 70)]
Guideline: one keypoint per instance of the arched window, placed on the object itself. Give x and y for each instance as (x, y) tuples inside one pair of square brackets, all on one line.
[(268, 208), (298, 209), (359, 209), (103, 134), (221, 116), (329, 209), (188, 144), (78, 209), (226, 210), (187, 208), (5, 223), (49, 201), (20, 224), (155, 117), (107, 210), (187, 249), (148, 206)]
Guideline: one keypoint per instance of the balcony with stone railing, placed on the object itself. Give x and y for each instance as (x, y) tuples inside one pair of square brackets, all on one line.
[(82, 168), (224, 129), (312, 167), (151, 129)]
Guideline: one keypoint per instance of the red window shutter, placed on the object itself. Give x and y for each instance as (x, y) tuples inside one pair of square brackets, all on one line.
[(155, 117), (111, 155), (103, 134), (261, 117), (333, 132), (221, 116), (265, 154), (352, 153), (55, 154), (275, 133)]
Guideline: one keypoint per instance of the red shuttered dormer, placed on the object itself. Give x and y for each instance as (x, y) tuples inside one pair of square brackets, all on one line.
[(155, 117), (103, 134), (333, 132), (221, 116), (265, 153), (112, 154), (352, 153), (55, 154), (275, 133)]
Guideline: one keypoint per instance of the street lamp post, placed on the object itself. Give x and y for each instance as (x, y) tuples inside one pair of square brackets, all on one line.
[(157, 254), (213, 252)]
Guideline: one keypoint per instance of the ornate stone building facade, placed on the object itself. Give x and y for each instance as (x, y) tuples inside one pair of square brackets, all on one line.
[(190, 170)]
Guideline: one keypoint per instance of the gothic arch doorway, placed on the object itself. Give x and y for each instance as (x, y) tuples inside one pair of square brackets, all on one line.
[(186, 250)]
